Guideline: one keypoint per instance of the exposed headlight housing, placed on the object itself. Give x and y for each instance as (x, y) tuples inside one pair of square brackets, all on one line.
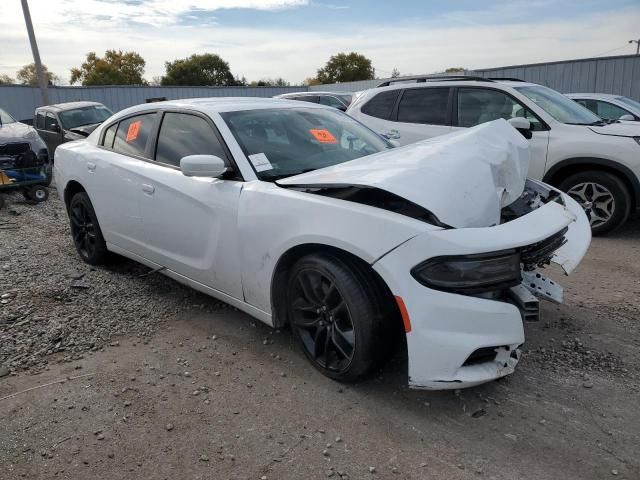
[(470, 274)]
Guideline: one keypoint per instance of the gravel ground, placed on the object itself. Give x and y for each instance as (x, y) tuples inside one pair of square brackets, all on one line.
[(110, 373), (53, 304)]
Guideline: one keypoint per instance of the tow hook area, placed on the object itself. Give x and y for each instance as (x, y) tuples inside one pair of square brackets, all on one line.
[(542, 287)]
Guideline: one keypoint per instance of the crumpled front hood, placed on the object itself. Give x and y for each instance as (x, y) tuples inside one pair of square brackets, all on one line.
[(464, 178), (84, 130), (619, 129), (14, 132)]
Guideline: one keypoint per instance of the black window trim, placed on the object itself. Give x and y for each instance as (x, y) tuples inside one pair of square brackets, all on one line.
[(454, 108), (394, 109), (234, 173), (118, 121), (55, 117), (448, 114), (151, 146)]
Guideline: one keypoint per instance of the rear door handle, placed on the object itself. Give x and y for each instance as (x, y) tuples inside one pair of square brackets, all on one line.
[(91, 166), (148, 188)]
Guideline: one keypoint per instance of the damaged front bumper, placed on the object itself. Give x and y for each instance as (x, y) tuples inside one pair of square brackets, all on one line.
[(458, 341)]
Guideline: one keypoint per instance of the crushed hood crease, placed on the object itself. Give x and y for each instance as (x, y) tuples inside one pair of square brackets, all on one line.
[(465, 178)]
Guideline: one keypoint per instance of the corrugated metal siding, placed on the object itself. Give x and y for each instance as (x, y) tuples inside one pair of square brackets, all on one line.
[(21, 101), (618, 75)]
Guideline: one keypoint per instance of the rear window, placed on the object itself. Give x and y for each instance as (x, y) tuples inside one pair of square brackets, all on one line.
[(381, 105), (424, 105), (133, 133)]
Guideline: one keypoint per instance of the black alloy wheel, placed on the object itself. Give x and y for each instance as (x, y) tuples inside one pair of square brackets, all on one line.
[(85, 230), (323, 320), (340, 315)]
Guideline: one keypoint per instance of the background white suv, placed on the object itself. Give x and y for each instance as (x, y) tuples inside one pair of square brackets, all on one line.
[(609, 107), (596, 162)]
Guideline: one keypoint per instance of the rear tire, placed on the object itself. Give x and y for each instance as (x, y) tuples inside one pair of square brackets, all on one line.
[(338, 316), (604, 197), (85, 230)]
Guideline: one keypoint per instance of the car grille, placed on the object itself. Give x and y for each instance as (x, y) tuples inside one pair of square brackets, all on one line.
[(539, 254)]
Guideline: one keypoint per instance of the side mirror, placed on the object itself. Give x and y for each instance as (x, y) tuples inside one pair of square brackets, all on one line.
[(627, 116), (522, 125), (202, 166), (56, 128)]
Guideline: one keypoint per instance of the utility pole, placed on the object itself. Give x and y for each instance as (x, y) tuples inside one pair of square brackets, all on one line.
[(42, 81), (637, 42)]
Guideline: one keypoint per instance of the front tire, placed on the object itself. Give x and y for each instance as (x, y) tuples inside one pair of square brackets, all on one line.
[(85, 230), (604, 197), (337, 316)]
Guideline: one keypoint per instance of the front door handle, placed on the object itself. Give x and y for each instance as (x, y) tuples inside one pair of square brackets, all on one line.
[(91, 166), (149, 189)]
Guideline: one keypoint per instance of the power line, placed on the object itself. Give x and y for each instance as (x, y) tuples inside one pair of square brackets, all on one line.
[(612, 50)]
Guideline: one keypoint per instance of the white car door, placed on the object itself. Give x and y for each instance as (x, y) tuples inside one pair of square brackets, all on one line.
[(419, 113), (422, 113), (190, 223), (113, 179), (476, 105)]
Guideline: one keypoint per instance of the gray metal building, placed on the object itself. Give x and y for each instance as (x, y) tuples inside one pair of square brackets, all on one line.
[(21, 101), (618, 75)]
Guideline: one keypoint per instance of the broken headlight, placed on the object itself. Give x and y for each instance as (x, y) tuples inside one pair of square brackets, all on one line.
[(470, 273)]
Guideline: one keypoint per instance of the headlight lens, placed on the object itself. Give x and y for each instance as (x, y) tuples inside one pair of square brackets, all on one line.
[(470, 273)]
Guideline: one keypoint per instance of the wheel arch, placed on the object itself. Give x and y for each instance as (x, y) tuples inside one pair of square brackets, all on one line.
[(291, 256), (70, 190), (568, 167)]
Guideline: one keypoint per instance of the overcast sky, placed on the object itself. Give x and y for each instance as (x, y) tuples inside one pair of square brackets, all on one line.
[(293, 38)]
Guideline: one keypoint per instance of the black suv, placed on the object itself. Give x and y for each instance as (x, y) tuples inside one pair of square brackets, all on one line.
[(65, 122)]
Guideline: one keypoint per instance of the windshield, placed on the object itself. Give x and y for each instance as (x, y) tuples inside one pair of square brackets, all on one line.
[(562, 108), (284, 142), (5, 117), (630, 102), (84, 116), (346, 99)]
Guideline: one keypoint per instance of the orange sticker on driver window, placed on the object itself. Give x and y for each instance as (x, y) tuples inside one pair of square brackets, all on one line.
[(323, 136), (134, 130)]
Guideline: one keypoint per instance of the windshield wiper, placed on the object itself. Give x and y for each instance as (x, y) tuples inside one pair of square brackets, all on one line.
[(273, 178)]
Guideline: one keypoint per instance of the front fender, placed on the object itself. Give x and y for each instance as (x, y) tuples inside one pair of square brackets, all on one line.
[(272, 220)]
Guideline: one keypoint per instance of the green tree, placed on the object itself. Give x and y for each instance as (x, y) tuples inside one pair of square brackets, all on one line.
[(270, 82), (6, 79), (346, 67), (27, 75), (454, 70), (395, 73), (206, 69), (115, 68), (311, 81)]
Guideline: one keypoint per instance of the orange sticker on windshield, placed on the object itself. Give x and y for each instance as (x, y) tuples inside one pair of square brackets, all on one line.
[(323, 136), (133, 131)]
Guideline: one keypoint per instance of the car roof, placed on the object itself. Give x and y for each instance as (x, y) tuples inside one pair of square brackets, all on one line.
[(285, 95), (223, 104), (592, 95), (61, 107), (455, 82)]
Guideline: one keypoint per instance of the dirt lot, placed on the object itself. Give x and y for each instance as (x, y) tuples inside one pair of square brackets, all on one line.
[(117, 375)]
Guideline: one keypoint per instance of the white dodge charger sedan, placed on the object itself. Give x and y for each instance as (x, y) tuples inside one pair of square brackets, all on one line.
[(297, 214)]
